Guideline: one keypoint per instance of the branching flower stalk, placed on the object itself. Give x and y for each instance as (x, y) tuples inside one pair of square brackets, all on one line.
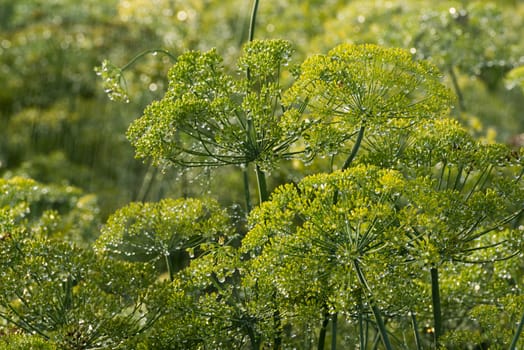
[(149, 232), (113, 80), (355, 87), (358, 87), (338, 236), (474, 194), (208, 118)]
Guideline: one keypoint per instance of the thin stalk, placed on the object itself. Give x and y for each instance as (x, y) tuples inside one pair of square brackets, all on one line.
[(169, 265), (249, 126), (457, 178), (362, 335), (253, 20), (146, 52), (352, 155), (513, 345), (356, 147), (376, 341), (437, 313), (334, 323), (21, 323), (517, 179), (251, 36), (246, 188), (366, 334), (456, 87), (262, 186), (147, 182), (415, 330), (374, 308), (261, 177), (254, 340), (323, 330), (518, 218), (278, 325)]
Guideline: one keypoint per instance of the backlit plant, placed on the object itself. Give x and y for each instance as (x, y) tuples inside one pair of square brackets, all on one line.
[(413, 239)]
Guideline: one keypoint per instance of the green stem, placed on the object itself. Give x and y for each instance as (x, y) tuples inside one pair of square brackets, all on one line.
[(246, 188), (334, 323), (374, 308), (435, 297), (361, 323), (356, 147), (415, 331), (249, 129), (352, 155), (261, 176), (323, 330), (146, 52), (513, 345), (169, 265), (262, 186), (456, 87), (255, 341), (518, 218), (376, 341), (278, 325), (147, 182), (253, 21)]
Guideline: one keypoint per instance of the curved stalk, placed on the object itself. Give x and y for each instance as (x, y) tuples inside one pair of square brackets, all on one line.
[(356, 147), (146, 52)]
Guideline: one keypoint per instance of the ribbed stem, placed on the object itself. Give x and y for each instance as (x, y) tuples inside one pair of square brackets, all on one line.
[(435, 297)]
